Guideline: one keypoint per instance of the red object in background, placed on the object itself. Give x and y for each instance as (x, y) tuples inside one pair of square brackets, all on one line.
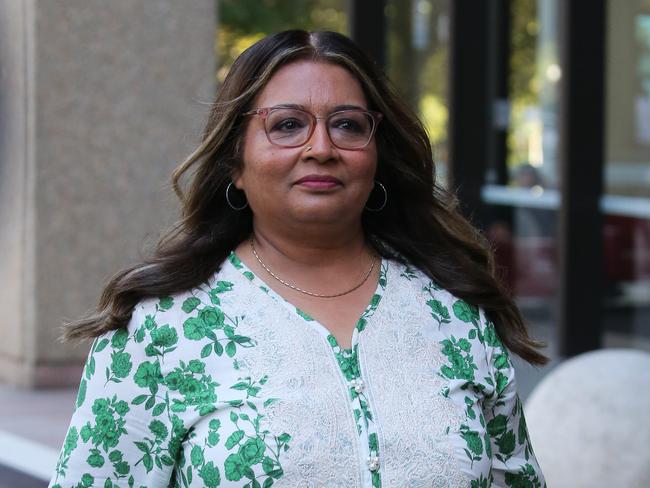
[(627, 248), (536, 266), (529, 265), (618, 248), (526, 265)]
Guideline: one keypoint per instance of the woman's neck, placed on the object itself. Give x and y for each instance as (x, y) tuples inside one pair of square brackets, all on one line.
[(326, 263), (309, 246)]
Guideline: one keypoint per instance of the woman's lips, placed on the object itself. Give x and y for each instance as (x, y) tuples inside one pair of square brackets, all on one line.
[(319, 182)]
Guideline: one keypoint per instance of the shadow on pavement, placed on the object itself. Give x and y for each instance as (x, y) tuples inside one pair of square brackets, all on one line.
[(10, 478)]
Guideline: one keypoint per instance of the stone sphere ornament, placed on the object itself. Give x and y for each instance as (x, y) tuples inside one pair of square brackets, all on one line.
[(589, 421)]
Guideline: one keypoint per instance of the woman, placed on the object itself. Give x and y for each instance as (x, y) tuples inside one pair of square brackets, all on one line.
[(322, 316)]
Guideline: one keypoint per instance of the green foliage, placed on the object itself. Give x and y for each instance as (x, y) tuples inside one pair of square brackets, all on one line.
[(420, 74), (243, 22), (523, 45)]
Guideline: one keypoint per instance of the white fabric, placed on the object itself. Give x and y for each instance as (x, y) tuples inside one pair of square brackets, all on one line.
[(439, 388)]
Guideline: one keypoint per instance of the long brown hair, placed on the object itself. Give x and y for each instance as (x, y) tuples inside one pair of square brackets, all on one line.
[(421, 222)]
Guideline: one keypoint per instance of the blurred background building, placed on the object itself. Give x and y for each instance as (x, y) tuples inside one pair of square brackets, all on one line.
[(538, 112)]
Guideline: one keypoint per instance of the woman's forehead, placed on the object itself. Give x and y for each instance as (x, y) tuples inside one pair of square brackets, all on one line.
[(313, 85)]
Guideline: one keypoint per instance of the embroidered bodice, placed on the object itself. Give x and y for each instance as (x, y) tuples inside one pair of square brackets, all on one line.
[(229, 385)]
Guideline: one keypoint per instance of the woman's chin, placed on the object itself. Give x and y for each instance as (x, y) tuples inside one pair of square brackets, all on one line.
[(324, 214)]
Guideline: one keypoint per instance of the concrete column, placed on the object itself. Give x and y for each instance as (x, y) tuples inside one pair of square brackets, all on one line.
[(99, 101)]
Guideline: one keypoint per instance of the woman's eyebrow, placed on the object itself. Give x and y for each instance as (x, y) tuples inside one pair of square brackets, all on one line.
[(289, 105), (348, 107), (338, 108)]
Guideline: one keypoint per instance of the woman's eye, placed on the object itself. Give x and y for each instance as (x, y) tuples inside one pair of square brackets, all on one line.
[(348, 125), (287, 125)]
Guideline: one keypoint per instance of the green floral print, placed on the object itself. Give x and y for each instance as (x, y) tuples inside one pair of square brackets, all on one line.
[(224, 386)]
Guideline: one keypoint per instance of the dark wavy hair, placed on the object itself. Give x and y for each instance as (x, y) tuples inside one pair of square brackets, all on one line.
[(420, 224)]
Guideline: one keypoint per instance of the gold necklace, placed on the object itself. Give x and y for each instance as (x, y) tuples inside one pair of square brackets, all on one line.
[(311, 294)]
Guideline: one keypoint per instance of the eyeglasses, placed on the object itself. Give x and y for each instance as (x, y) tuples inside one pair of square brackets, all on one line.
[(293, 127)]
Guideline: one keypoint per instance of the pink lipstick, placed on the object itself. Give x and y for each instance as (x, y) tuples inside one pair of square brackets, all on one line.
[(319, 182)]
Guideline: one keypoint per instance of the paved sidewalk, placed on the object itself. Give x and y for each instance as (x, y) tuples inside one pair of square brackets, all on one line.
[(33, 424), (41, 416), (11, 478)]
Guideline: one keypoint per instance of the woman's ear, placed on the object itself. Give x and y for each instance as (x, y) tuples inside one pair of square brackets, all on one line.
[(237, 173), (237, 178)]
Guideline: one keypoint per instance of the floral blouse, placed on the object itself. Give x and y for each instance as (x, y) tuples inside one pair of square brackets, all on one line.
[(229, 385)]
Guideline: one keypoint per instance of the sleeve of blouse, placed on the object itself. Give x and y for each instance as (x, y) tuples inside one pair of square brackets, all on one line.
[(513, 461), (119, 435)]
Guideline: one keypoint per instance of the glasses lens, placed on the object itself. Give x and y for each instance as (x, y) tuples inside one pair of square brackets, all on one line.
[(287, 127), (350, 129)]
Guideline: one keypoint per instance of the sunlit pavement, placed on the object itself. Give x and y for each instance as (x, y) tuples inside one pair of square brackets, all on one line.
[(10, 478), (33, 424)]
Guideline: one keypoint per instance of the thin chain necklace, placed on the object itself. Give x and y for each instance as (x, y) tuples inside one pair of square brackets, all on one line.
[(311, 294)]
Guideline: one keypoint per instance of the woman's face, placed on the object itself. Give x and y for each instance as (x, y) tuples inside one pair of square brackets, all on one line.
[(322, 185)]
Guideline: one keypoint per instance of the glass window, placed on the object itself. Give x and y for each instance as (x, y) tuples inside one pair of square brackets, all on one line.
[(523, 213), (418, 65), (626, 204)]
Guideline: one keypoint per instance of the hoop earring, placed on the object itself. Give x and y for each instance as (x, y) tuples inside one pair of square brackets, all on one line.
[(230, 204), (381, 207)]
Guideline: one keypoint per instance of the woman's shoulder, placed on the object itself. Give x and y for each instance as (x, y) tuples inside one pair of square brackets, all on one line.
[(168, 331), (183, 310), (469, 350), (410, 280), (452, 316)]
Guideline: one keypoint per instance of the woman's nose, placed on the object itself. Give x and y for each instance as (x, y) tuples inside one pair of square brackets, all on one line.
[(322, 148)]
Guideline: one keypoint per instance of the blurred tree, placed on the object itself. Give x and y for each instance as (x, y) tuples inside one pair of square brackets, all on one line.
[(525, 125), (418, 61), (402, 64), (433, 78), (524, 86), (243, 22)]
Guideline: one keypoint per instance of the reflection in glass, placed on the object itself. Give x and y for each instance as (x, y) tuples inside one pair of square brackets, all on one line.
[(626, 237), (522, 214), (418, 65), (244, 22)]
